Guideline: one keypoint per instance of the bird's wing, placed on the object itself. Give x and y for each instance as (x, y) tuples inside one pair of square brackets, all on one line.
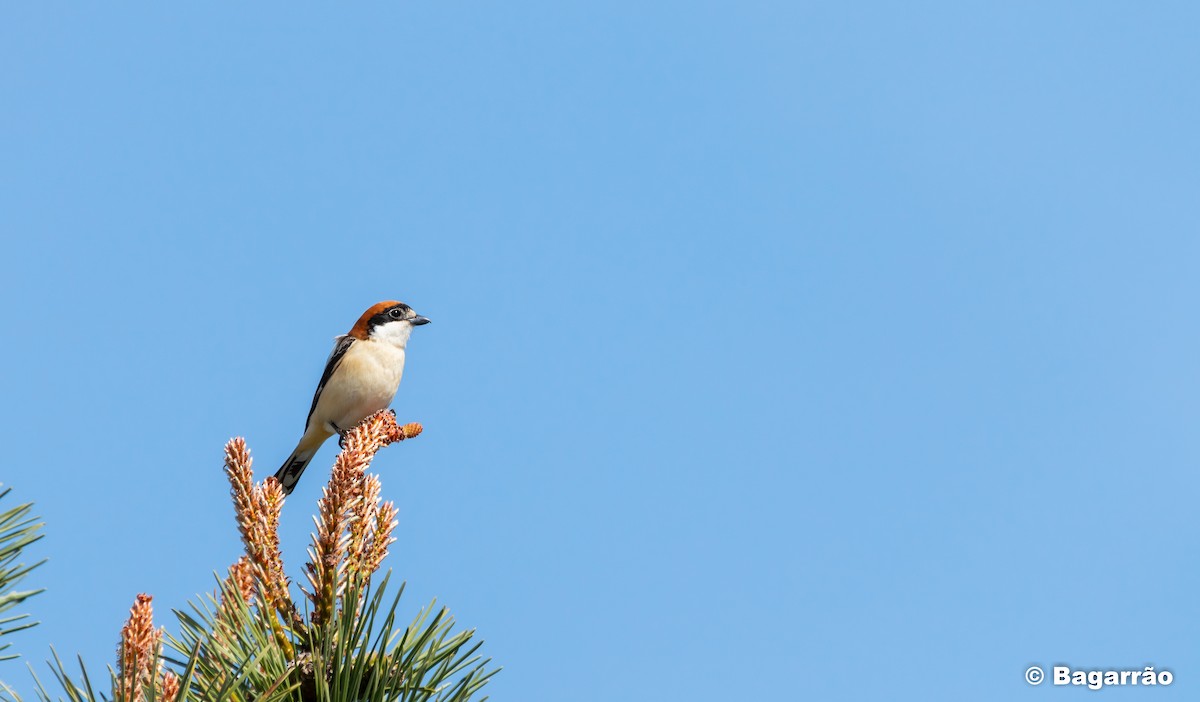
[(340, 346)]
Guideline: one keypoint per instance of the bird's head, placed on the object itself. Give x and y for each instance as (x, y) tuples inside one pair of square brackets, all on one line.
[(388, 321)]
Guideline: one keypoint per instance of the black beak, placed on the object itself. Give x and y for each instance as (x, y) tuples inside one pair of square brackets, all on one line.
[(418, 321)]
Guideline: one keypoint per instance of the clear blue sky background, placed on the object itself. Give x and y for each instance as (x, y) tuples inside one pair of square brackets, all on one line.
[(780, 350)]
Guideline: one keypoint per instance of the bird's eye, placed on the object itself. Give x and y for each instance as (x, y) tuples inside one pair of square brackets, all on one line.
[(396, 313)]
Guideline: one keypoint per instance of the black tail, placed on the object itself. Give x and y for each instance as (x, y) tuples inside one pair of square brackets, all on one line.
[(289, 474)]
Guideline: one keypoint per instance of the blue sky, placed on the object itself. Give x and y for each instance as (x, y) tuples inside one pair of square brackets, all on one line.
[(787, 350)]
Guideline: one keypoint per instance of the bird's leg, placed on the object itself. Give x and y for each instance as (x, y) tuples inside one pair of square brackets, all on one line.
[(341, 433)]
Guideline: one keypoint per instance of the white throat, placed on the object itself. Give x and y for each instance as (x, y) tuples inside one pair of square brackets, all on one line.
[(394, 333)]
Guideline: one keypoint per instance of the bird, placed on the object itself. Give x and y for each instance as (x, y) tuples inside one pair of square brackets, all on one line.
[(361, 377)]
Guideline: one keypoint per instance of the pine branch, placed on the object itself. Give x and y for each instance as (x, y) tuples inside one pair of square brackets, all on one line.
[(17, 531), (250, 642)]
